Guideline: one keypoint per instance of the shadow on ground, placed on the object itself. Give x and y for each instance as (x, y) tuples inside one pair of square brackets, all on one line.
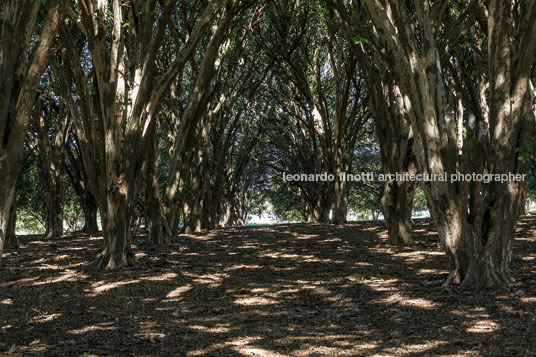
[(263, 291)]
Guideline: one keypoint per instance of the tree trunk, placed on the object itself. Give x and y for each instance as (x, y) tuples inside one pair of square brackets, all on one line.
[(153, 206), (170, 222), (397, 204), (318, 210), (20, 72), (90, 209), (52, 162), (54, 214), (339, 207), (117, 252), (52, 183), (396, 149), (6, 199), (193, 211), (154, 223), (11, 237)]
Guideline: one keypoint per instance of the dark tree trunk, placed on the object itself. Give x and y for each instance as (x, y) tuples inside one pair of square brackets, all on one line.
[(339, 207), (11, 237), (397, 204), (117, 251), (54, 210), (153, 201), (6, 198), (90, 209)]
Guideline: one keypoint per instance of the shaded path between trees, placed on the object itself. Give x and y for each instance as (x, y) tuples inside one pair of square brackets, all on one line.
[(296, 289)]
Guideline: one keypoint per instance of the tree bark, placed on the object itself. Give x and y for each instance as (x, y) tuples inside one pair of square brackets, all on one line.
[(20, 72), (153, 201), (396, 149), (397, 204), (117, 252), (5, 196), (11, 237), (90, 209), (339, 207), (52, 162), (392, 131)]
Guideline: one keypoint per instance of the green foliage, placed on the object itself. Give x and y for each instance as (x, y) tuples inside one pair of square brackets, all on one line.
[(527, 152), (419, 200), (73, 215), (285, 204), (30, 200), (365, 196)]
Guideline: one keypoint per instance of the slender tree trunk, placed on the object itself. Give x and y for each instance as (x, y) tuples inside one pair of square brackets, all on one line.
[(153, 207), (52, 162), (6, 196), (154, 222), (193, 208), (11, 237)]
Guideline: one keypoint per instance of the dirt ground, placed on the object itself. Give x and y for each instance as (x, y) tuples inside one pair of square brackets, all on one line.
[(291, 290)]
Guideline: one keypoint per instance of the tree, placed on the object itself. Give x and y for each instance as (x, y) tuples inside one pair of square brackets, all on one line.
[(118, 112), (214, 101), (478, 246), (51, 160), (324, 103), (22, 61), (393, 131)]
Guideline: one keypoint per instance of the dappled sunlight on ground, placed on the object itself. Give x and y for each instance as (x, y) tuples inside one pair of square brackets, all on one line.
[(303, 290)]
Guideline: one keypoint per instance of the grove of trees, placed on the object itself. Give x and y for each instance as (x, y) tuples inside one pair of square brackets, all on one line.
[(183, 116)]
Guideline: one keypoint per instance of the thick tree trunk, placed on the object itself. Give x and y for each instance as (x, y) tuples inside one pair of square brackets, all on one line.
[(193, 211), (318, 208), (396, 148), (90, 209), (397, 204), (117, 252), (339, 207)]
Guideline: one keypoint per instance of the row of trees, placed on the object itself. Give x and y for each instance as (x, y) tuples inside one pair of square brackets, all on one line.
[(189, 112)]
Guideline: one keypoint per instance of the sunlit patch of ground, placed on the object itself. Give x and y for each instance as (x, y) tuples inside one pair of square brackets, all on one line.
[(289, 290)]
